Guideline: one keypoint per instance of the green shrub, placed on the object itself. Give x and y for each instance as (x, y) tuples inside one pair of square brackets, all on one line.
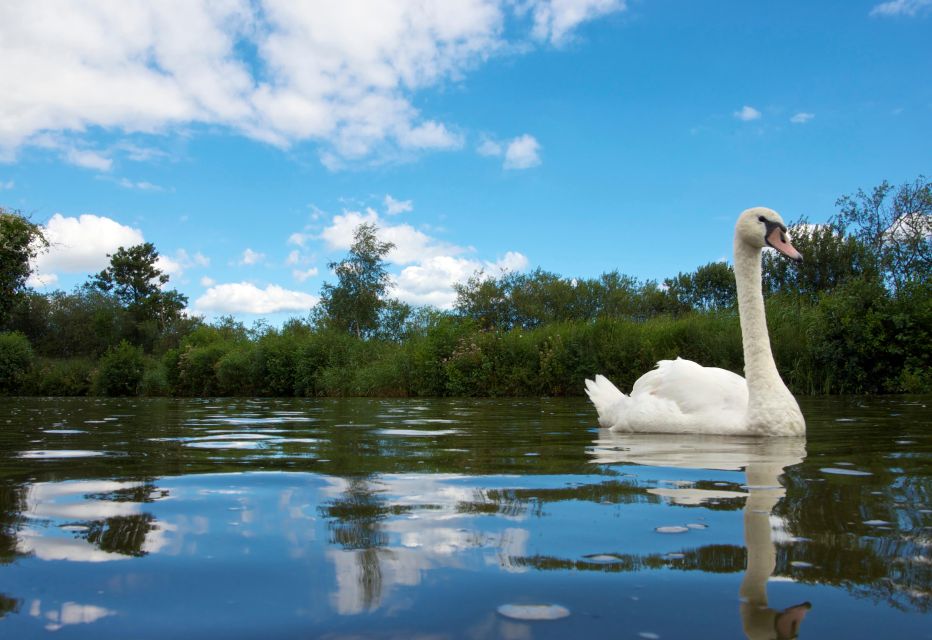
[(61, 377), (16, 361), (120, 371), (236, 373), (154, 380)]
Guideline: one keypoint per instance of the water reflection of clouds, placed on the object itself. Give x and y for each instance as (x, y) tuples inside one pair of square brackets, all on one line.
[(69, 613), (94, 521), (434, 534)]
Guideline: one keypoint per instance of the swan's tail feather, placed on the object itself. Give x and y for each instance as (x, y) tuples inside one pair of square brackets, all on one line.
[(606, 398)]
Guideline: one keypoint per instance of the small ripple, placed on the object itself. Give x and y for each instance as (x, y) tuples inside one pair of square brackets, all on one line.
[(533, 611), (845, 472), (60, 453)]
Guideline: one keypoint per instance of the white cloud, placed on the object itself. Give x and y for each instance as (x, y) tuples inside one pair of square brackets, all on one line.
[(88, 159), (554, 20), (36, 280), (411, 245), (294, 257), (251, 257), (207, 281), (9, 184), (342, 74), (299, 239), (802, 117), (394, 207), (900, 8), (245, 297), (746, 114), (81, 244), (431, 282), (489, 147), (301, 276), (430, 266), (522, 153), (182, 261), (141, 185)]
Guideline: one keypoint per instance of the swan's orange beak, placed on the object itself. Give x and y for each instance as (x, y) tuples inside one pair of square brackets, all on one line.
[(776, 238)]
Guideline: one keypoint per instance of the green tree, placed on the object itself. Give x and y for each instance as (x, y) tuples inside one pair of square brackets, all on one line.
[(894, 223), (20, 242), (711, 286), (830, 259), (135, 280), (356, 302)]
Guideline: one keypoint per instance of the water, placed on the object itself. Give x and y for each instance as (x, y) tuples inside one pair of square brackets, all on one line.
[(513, 519)]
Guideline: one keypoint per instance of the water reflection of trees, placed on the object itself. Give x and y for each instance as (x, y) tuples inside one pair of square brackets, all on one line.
[(890, 563)]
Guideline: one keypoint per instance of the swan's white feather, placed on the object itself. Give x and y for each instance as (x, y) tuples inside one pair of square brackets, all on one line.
[(679, 396)]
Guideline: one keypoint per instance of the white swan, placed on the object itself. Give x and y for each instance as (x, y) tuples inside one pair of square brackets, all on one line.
[(680, 396)]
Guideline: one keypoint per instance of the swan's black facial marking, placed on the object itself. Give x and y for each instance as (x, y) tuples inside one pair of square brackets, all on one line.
[(769, 227)]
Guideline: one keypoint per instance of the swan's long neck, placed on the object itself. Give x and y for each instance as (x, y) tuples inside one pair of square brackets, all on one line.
[(769, 400)]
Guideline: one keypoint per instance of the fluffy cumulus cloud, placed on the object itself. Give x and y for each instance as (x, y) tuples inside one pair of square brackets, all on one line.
[(341, 74), (411, 245), (431, 281), (394, 207), (802, 117), (245, 297), (901, 8), (251, 257), (747, 114), (430, 267), (80, 245), (554, 20), (522, 152)]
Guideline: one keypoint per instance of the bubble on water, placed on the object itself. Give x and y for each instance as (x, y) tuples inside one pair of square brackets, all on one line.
[(905, 441), (671, 529), (799, 564), (876, 523), (845, 472), (533, 611), (648, 635), (697, 525), (64, 431), (845, 419), (845, 464)]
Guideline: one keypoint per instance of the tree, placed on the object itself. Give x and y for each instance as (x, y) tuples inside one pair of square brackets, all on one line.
[(20, 242), (356, 302), (896, 224), (711, 286), (830, 259), (135, 280)]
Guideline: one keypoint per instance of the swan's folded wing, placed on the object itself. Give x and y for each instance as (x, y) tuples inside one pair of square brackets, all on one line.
[(693, 388)]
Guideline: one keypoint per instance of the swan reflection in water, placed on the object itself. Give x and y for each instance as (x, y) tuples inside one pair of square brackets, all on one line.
[(763, 461)]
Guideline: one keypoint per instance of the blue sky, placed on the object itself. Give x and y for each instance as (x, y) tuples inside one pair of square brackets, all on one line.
[(247, 139)]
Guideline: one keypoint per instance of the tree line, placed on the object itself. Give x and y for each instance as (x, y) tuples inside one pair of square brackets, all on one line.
[(855, 317)]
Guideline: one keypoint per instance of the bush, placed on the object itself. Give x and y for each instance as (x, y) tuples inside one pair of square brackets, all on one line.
[(155, 380), (236, 374), (120, 371), (64, 377), (16, 361)]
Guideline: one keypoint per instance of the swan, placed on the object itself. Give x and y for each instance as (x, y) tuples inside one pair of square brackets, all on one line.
[(680, 396)]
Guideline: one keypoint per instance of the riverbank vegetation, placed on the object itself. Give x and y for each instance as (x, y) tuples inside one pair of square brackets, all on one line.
[(855, 317)]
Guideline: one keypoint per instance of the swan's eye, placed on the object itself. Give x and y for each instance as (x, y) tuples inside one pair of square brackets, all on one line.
[(762, 218)]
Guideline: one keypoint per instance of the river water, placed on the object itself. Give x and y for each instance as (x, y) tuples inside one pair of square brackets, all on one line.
[(513, 519)]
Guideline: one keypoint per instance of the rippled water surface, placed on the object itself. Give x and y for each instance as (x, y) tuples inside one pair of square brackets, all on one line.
[(514, 519)]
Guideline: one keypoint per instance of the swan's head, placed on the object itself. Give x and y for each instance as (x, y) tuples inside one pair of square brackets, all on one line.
[(762, 227)]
